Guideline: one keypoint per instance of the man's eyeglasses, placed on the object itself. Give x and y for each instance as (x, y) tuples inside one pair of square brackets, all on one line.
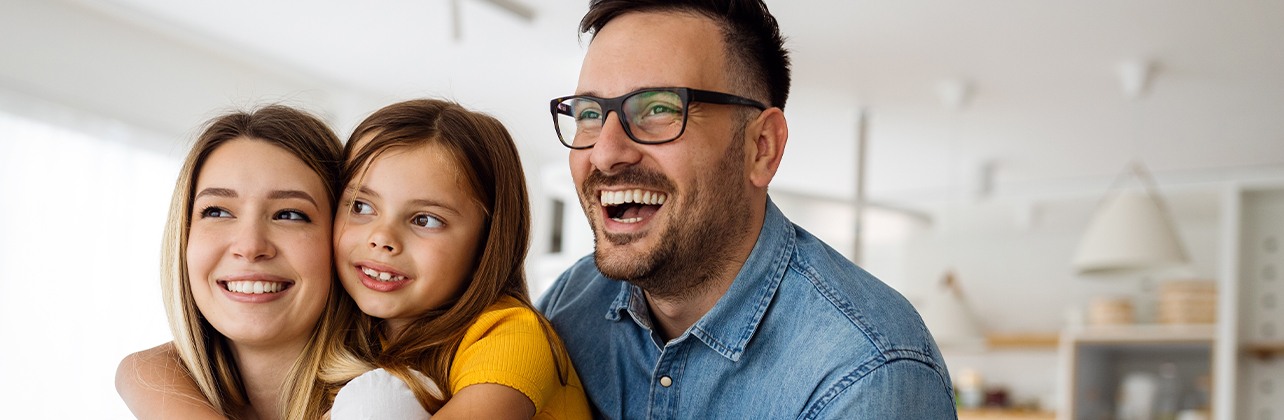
[(649, 116)]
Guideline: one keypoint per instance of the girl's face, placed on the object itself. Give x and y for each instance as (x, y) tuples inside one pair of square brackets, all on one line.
[(258, 259), (407, 236)]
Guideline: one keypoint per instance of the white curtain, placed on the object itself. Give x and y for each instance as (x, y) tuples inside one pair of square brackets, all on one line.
[(82, 208)]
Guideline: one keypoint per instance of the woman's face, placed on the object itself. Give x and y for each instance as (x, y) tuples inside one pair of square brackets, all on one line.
[(258, 251), (407, 235)]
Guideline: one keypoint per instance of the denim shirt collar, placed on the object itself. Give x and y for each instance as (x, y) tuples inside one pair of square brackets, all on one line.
[(732, 322)]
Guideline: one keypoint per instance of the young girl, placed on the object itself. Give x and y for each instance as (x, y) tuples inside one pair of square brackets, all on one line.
[(430, 240), (247, 276)]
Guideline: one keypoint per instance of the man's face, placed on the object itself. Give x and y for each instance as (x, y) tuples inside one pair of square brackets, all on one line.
[(660, 213)]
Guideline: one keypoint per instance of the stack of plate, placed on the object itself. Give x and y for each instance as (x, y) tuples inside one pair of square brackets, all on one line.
[(1187, 302)]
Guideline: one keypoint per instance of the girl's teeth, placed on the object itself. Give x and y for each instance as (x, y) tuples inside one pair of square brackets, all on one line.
[(381, 276)]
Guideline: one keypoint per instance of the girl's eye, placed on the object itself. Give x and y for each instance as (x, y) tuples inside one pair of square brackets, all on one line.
[(427, 221), (291, 215), (215, 212), (359, 207)]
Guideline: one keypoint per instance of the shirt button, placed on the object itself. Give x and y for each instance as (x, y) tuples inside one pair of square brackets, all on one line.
[(666, 381)]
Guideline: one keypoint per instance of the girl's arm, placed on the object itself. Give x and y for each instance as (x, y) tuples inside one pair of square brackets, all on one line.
[(155, 385), (487, 401)]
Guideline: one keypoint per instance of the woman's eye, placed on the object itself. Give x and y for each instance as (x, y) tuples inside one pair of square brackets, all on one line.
[(215, 212), (291, 215), (359, 207), (426, 221)]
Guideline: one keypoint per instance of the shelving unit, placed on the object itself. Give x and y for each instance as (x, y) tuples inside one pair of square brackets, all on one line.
[(1242, 354), (1098, 358), (1257, 243)]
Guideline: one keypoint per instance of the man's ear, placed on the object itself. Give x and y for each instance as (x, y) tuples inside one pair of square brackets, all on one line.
[(768, 147)]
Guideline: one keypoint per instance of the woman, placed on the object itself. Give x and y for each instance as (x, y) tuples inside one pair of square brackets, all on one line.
[(246, 275)]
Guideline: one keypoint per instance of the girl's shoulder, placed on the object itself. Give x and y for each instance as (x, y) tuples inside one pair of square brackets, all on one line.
[(506, 316)]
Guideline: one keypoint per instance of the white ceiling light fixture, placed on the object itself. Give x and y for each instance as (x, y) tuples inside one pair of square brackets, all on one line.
[(1132, 230), (515, 8)]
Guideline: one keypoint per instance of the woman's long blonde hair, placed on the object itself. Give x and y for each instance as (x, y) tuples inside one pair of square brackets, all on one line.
[(490, 167), (205, 352)]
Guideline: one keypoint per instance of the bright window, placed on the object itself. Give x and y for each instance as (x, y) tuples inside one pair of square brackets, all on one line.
[(80, 231)]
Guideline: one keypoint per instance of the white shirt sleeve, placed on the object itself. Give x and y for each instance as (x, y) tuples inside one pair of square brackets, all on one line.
[(378, 394)]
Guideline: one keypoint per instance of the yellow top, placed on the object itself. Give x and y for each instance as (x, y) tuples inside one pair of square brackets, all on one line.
[(508, 346)]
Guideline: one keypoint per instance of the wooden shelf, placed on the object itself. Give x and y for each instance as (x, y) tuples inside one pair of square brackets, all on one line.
[(1001, 341), (1000, 414), (1264, 350), (1146, 333)]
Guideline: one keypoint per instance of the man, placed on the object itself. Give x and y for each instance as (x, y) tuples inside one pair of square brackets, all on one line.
[(725, 309)]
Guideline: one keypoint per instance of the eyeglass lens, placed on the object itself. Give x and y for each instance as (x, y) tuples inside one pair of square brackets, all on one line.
[(649, 116)]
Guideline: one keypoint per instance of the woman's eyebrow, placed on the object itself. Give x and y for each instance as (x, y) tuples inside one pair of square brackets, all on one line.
[(283, 194), (216, 192)]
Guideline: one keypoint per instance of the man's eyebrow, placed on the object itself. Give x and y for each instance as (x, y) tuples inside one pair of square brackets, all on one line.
[(297, 194), (216, 192)]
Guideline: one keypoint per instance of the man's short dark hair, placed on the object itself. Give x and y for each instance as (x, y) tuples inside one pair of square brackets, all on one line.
[(750, 32)]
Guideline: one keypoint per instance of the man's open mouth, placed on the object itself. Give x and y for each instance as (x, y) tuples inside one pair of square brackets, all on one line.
[(632, 206)]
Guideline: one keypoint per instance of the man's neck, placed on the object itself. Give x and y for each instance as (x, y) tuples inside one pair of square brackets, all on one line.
[(673, 315)]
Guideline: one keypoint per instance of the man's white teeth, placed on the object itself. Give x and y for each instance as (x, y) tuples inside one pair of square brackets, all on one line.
[(611, 198), (255, 287), (381, 276)]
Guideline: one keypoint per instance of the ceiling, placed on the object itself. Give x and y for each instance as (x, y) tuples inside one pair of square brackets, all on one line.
[(1044, 111)]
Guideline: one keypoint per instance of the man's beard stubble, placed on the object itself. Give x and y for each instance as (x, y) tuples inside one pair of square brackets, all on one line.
[(696, 246)]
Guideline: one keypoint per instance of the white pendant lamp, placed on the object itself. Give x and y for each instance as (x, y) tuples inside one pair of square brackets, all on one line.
[(1131, 232)]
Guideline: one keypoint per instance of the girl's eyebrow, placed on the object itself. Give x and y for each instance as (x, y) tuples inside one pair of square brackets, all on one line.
[(362, 190), (419, 202), (422, 202)]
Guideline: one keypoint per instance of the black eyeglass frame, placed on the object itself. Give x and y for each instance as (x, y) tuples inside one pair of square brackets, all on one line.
[(616, 105)]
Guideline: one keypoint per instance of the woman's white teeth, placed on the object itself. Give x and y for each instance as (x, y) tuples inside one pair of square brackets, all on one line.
[(381, 276), (612, 198), (255, 287)]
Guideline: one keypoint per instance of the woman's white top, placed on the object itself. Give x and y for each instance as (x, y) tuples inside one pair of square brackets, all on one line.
[(378, 394)]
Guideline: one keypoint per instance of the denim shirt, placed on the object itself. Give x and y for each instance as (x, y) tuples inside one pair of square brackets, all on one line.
[(801, 333)]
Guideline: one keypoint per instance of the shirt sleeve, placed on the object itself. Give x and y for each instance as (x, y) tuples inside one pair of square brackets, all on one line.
[(507, 346), (900, 389)]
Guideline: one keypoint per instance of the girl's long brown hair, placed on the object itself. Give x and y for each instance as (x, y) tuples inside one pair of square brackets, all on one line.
[(487, 160)]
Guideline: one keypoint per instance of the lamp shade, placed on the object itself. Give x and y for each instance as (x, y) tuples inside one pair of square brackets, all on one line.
[(1131, 232)]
